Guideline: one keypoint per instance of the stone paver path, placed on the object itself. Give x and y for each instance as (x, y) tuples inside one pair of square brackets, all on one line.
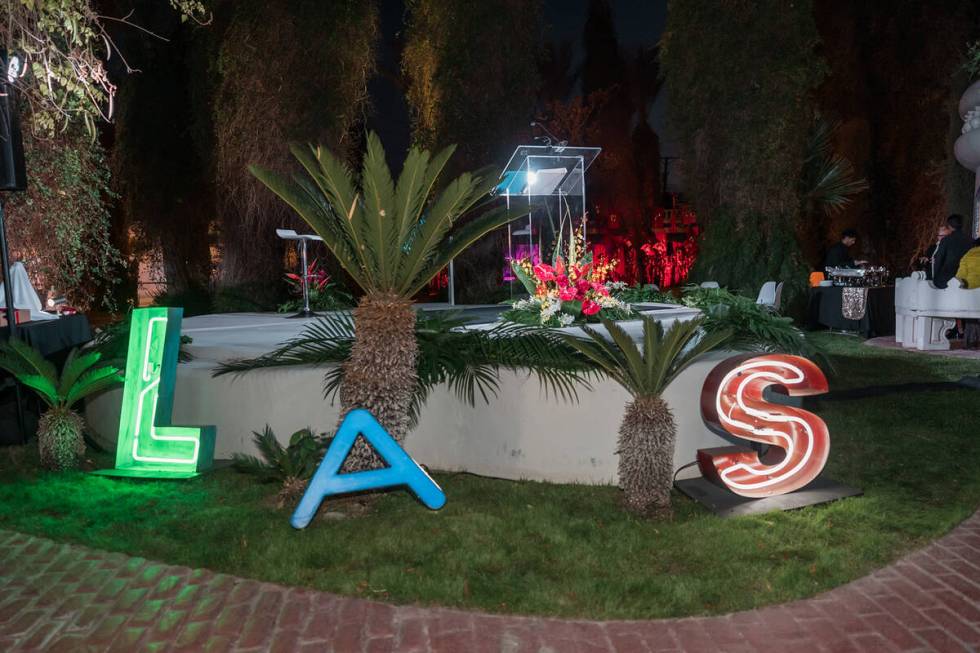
[(59, 597)]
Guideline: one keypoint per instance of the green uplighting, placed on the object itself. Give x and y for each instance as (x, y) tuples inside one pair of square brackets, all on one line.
[(148, 445)]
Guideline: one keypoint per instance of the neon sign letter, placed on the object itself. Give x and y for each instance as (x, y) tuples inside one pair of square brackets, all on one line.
[(732, 399), (401, 470), (148, 445)]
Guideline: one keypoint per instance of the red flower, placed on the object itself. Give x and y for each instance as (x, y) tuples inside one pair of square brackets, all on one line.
[(567, 294), (589, 307), (544, 273)]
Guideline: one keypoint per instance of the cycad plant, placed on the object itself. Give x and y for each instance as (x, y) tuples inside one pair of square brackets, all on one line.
[(291, 466), (468, 361), (391, 238), (59, 432), (648, 432)]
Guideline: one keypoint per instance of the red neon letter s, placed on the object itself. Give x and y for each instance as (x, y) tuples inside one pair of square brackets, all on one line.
[(731, 399)]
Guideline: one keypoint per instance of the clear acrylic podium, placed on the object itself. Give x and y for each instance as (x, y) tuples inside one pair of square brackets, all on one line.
[(550, 180)]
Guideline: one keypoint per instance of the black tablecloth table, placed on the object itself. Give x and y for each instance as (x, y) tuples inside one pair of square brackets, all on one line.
[(879, 315), (52, 337)]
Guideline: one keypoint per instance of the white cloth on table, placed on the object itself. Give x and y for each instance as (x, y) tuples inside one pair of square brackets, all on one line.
[(25, 297)]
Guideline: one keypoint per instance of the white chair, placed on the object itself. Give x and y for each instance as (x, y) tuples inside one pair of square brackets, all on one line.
[(770, 295), (710, 284)]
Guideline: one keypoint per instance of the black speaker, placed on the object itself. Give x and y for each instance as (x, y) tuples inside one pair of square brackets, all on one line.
[(13, 175)]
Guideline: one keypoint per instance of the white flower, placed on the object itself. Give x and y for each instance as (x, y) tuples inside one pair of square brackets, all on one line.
[(607, 301), (565, 319), (548, 311), (616, 285)]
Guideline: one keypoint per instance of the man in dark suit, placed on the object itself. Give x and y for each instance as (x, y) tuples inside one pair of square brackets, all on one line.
[(949, 251), (838, 255)]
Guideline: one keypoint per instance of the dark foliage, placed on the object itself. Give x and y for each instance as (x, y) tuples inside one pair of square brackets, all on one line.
[(298, 460)]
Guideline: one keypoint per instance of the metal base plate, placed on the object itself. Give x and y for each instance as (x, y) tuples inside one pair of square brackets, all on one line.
[(143, 473), (303, 314), (725, 503), (139, 472)]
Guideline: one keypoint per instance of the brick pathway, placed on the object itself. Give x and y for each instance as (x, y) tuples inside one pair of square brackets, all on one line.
[(59, 597)]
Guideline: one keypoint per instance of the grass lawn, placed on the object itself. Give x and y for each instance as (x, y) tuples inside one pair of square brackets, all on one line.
[(563, 550)]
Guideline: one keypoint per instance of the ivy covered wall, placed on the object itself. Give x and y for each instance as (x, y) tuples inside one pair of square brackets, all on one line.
[(61, 226), (740, 77), (285, 72), (748, 80), (894, 85)]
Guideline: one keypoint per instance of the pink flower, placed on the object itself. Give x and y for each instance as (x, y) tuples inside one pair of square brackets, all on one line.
[(567, 294), (589, 307)]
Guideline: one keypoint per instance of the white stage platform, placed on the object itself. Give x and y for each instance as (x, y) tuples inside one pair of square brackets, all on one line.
[(521, 434)]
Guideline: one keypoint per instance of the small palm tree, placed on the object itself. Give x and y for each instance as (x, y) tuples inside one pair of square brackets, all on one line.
[(648, 432), (291, 466), (392, 238), (59, 432)]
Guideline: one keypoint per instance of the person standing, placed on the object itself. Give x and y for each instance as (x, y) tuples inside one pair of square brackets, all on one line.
[(838, 254), (949, 251)]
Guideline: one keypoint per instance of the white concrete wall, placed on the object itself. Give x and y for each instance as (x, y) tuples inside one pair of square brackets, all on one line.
[(520, 435)]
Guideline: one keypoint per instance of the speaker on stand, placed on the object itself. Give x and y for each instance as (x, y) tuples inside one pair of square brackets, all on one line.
[(13, 177)]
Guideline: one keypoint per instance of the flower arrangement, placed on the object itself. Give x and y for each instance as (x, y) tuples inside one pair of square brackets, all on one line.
[(568, 291), (325, 295)]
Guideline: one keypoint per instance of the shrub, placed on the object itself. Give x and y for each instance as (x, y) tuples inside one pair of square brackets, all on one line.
[(291, 466)]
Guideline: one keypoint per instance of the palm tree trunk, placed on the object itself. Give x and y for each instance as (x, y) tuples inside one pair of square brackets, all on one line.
[(646, 456), (380, 374)]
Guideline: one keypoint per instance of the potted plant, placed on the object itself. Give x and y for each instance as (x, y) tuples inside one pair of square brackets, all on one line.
[(59, 432)]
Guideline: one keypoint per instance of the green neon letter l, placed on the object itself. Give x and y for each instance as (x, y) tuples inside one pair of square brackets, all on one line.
[(148, 445)]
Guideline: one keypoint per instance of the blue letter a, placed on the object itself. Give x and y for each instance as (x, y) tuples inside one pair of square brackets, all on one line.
[(402, 470)]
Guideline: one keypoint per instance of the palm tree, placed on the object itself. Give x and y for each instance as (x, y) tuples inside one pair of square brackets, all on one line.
[(829, 182), (59, 432), (648, 432), (392, 238)]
